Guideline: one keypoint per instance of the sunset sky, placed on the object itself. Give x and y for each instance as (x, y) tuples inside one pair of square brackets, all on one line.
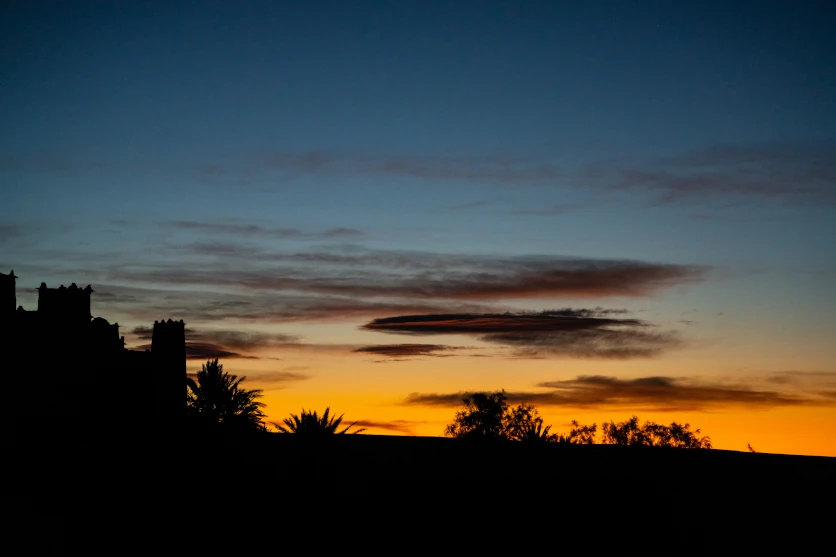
[(604, 208)]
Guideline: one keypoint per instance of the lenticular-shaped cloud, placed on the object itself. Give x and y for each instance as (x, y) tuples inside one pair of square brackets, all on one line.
[(404, 350), (578, 333)]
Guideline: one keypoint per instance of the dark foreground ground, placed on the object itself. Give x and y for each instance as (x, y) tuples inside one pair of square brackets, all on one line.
[(228, 495)]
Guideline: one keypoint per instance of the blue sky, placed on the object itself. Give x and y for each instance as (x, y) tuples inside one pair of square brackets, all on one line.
[(330, 163)]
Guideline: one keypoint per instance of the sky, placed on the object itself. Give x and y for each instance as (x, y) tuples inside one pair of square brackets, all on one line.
[(604, 208)]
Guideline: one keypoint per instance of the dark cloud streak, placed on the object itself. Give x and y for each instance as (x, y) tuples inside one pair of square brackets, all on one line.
[(210, 344), (209, 351), (618, 344), (790, 172), (405, 350), (661, 394), (576, 333), (257, 230), (398, 426), (275, 379), (474, 279), (535, 322)]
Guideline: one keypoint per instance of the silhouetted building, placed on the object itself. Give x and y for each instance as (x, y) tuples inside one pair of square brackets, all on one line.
[(168, 356), (67, 364), (7, 294)]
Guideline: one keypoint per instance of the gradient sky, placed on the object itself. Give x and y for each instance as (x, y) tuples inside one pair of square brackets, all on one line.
[(293, 179)]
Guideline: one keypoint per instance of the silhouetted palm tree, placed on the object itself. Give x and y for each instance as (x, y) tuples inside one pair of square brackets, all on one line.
[(216, 397), (310, 423)]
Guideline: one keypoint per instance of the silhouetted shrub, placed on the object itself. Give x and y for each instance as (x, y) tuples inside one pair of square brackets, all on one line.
[(652, 434)]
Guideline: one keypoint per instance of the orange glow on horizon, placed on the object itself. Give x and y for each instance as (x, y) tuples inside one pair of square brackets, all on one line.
[(372, 388)]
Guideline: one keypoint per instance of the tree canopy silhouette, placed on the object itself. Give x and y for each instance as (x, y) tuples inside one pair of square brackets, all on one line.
[(487, 416), (524, 423), (651, 434), (310, 423), (483, 417), (217, 398), (578, 435)]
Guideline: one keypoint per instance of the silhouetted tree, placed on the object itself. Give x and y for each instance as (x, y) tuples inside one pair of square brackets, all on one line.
[(216, 397), (578, 435), (310, 423), (679, 435), (652, 434), (624, 433), (487, 416), (524, 423), (483, 417)]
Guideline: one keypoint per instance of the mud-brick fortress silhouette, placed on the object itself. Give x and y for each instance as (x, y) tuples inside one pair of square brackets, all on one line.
[(67, 364)]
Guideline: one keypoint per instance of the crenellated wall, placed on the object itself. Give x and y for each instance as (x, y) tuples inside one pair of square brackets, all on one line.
[(71, 304), (79, 366)]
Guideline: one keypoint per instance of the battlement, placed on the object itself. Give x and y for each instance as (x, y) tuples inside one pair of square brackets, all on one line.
[(169, 337), (65, 302), (170, 325), (63, 329)]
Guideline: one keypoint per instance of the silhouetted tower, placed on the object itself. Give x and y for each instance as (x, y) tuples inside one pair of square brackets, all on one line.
[(168, 354), (69, 305), (8, 299)]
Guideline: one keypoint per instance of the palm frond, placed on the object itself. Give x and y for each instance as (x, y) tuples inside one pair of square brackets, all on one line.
[(311, 423), (220, 398)]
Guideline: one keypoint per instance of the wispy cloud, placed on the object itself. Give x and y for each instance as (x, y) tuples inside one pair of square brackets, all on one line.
[(67, 163), (552, 211), (576, 333), (212, 282), (406, 350), (246, 340), (603, 343), (209, 351), (398, 426), (234, 229), (788, 173), (147, 333), (275, 379), (215, 307), (496, 168), (394, 274), (209, 344), (468, 206), (267, 381), (661, 394), (803, 378), (10, 231)]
